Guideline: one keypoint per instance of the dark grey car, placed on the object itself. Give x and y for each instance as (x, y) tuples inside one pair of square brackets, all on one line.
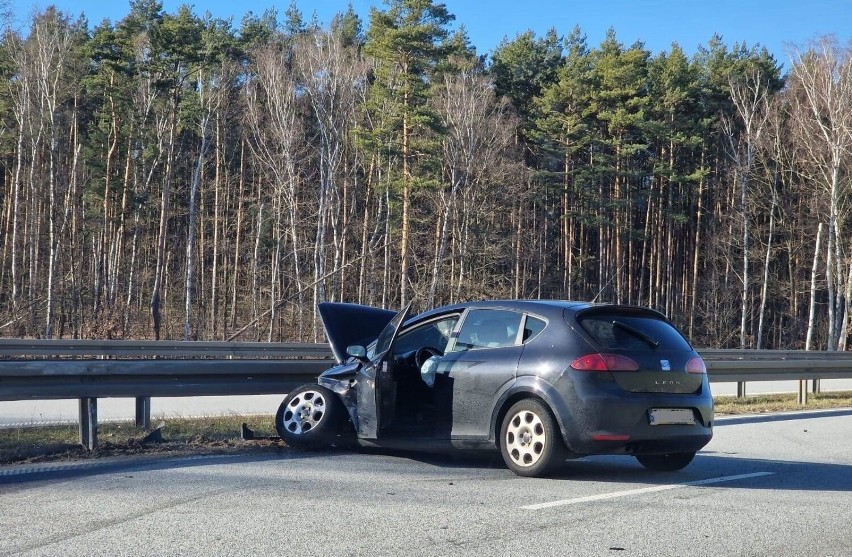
[(540, 380)]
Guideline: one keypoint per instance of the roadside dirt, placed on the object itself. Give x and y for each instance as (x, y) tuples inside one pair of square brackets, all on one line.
[(199, 446)]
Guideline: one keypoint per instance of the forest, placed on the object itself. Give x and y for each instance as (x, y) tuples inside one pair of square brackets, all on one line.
[(180, 176)]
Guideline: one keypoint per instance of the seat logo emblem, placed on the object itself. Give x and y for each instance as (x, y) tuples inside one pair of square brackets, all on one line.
[(665, 365)]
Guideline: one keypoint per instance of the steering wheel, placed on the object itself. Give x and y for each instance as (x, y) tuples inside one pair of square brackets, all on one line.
[(424, 353)]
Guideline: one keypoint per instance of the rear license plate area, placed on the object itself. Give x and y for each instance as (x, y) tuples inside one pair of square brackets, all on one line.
[(671, 416)]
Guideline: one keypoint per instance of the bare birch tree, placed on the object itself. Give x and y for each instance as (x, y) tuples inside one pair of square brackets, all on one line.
[(331, 74), (749, 96), (21, 89), (212, 77), (273, 118), (822, 109), (52, 36), (478, 134)]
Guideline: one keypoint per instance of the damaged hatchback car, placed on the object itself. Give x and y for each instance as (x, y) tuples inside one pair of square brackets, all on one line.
[(540, 380)]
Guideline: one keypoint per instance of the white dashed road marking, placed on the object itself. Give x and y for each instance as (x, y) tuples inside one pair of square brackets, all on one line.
[(642, 491)]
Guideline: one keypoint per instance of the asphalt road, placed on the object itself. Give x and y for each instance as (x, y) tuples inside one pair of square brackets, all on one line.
[(779, 486)]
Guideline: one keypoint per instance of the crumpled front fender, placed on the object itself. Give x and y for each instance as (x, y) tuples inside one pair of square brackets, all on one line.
[(342, 380)]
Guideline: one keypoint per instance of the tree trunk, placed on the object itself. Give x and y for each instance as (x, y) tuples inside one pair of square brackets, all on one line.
[(406, 200), (696, 248), (189, 285), (165, 194), (812, 308), (237, 241), (766, 263)]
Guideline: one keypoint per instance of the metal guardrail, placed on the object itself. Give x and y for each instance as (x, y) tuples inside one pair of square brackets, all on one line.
[(89, 370), (48, 369), (775, 365), (19, 348), (52, 379), (741, 366)]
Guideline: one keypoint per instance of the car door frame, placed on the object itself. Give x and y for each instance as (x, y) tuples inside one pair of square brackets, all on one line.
[(374, 381), (450, 367)]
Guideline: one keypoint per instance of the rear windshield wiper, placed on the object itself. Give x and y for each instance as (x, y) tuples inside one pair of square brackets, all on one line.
[(637, 333)]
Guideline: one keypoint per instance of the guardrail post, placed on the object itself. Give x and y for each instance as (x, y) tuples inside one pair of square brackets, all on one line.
[(816, 389), (143, 412), (89, 423), (741, 389), (803, 391)]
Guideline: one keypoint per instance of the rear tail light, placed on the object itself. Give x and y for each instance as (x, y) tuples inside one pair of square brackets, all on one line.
[(696, 365), (604, 362)]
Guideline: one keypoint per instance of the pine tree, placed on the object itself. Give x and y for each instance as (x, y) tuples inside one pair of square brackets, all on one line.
[(407, 42)]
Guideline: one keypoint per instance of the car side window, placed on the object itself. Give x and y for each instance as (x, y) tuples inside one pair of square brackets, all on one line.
[(435, 334), (488, 328), (532, 327)]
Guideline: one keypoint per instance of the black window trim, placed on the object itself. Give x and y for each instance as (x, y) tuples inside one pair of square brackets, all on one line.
[(527, 315)]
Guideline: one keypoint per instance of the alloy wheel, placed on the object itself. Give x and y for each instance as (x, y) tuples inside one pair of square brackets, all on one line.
[(526, 438), (304, 412)]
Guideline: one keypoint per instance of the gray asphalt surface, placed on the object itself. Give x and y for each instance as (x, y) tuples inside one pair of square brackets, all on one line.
[(793, 498)]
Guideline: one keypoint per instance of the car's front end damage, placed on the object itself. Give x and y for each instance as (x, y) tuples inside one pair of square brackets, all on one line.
[(341, 381)]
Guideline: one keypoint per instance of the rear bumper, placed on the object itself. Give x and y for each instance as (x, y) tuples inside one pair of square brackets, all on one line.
[(663, 444), (601, 418)]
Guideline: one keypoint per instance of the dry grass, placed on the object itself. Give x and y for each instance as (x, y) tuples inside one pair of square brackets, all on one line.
[(762, 404), (213, 435), (221, 434)]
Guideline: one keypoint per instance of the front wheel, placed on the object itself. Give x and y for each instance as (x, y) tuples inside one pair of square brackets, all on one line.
[(670, 462), (530, 439), (310, 416)]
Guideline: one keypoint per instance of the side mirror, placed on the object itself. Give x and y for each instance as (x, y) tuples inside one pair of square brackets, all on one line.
[(357, 351)]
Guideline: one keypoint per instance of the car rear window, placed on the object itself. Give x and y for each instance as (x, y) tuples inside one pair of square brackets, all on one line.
[(632, 331)]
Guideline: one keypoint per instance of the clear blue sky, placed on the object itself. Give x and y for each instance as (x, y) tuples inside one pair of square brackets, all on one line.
[(771, 23)]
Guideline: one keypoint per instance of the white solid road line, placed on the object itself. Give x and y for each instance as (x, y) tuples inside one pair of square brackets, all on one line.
[(617, 494)]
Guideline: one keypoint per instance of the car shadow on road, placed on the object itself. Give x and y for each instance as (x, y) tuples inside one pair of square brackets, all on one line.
[(770, 474), (779, 475)]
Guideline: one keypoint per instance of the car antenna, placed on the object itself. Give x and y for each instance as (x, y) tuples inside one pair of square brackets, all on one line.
[(612, 278)]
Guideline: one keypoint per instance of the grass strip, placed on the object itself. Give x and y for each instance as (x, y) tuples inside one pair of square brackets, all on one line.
[(208, 435), (761, 404)]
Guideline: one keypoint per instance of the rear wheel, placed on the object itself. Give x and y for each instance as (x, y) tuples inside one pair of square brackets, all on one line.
[(530, 439), (665, 462), (310, 416)]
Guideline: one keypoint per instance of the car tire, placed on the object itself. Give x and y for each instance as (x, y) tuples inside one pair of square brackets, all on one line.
[(530, 440), (310, 416), (670, 462)]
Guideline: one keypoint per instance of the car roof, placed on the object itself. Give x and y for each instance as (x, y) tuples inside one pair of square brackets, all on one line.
[(544, 308), (541, 307)]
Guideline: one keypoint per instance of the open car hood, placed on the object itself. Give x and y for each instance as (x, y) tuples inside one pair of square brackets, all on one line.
[(348, 324)]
